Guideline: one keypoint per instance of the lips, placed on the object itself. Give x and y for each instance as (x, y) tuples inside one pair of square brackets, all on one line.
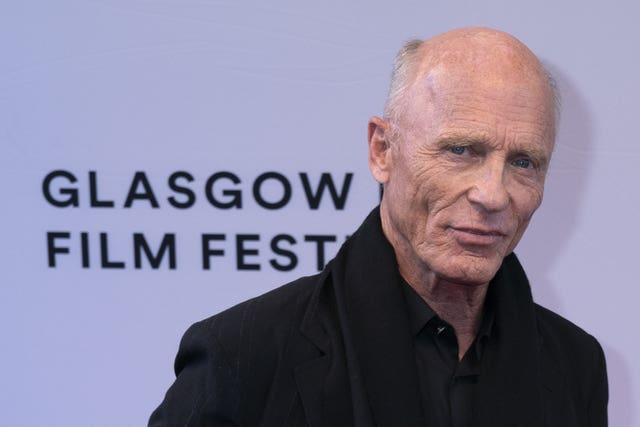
[(477, 236)]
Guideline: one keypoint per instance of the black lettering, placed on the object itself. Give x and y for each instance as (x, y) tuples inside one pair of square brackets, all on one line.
[(236, 195), (326, 181), (173, 184), (84, 248), (72, 193), (93, 193), (207, 252), (140, 245), (146, 194), (275, 247), (286, 190), (104, 253), (241, 251), (52, 249), (320, 241)]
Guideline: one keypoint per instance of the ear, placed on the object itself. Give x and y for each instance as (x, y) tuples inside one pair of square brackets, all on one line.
[(379, 149)]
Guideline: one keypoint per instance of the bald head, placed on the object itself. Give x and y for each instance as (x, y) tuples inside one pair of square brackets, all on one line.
[(466, 56)]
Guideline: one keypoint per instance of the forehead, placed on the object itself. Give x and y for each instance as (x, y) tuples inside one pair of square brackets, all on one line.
[(480, 100)]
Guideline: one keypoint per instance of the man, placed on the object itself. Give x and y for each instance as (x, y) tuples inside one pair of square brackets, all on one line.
[(425, 317)]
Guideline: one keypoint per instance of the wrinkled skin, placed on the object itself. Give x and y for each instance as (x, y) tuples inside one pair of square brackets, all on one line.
[(464, 171)]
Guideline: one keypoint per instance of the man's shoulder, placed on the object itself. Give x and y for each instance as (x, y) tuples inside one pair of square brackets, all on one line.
[(278, 303), (268, 318), (226, 363), (566, 342), (553, 325)]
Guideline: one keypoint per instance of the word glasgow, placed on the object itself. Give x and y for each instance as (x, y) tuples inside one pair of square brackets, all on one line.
[(222, 190)]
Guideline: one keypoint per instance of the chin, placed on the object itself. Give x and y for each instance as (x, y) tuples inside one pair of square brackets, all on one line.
[(470, 270)]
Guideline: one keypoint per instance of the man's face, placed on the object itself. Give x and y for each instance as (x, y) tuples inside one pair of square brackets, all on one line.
[(465, 173)]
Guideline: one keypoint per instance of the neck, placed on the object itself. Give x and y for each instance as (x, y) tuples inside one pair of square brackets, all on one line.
[(462, 306)]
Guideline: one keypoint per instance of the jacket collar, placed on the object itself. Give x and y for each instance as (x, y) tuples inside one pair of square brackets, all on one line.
[(364, 282), (370, 301)]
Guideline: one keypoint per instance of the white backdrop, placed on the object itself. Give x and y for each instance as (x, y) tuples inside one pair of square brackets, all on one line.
[(132, 91)]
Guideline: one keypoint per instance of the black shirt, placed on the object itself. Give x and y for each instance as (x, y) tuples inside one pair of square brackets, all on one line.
[(446, 384)]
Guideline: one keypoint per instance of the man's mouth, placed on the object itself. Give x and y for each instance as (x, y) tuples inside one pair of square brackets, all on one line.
[(477, 236)]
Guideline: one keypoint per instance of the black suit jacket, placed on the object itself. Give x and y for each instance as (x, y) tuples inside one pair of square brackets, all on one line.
[(335, 349)]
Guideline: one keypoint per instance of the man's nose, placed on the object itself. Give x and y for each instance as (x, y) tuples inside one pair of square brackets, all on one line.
[(489, 190)]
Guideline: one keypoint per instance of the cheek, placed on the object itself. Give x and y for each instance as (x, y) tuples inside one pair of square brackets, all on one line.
[(422, 188), (524, 208), (526, 202), (447, 197), (437, 185)]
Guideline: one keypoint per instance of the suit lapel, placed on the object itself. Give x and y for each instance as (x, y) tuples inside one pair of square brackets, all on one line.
[(309, 380), (323, 382), (554, 395)]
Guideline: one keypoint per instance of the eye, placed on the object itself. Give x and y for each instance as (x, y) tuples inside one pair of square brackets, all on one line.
[(459, 150), (523, 163)]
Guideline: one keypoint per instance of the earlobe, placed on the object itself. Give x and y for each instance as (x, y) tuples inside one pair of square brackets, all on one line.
[(379, 153)]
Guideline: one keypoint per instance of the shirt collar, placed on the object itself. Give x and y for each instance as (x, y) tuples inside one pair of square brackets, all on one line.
[(418, 310), (420, 314)]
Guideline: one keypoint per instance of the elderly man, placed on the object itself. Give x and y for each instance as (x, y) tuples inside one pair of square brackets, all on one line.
[(425, 317)]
